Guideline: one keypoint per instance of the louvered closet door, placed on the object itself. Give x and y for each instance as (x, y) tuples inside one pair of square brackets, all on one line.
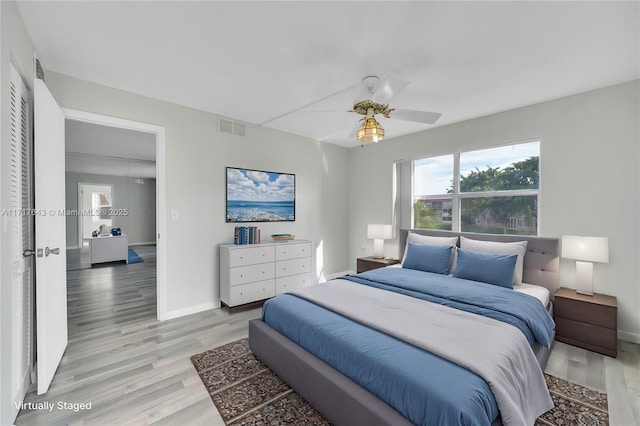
[(20, 226)]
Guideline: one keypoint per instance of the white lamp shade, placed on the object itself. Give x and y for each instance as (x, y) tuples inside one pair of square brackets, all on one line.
[(587, 249), (378, 231)]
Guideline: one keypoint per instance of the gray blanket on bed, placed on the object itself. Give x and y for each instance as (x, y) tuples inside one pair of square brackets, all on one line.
[(497, 352)]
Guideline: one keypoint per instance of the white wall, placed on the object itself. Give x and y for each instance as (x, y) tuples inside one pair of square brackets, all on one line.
[(196, 157), (589, 180)]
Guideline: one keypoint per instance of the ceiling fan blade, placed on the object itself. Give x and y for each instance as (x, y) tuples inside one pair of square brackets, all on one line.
[(418, 116), (321, 110), (363, 95), (389, 88)]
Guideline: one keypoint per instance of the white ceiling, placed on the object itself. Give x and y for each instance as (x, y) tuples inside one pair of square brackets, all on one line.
[(103, 150), (94, 139), (275, 63)]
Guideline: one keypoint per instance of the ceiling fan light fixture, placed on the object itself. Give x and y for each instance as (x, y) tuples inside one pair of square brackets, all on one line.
[(370, 131)]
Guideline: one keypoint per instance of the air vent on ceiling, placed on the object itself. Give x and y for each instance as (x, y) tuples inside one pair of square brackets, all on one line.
[(232, 127)]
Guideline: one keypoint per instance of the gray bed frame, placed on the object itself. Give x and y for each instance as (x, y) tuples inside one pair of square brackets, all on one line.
[(342, 401)]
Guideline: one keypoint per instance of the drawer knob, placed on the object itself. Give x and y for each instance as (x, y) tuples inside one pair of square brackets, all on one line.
[(241, 293), (241, 275)]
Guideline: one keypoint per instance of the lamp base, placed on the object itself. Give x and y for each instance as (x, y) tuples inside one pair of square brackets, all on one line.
[(584, 278), (378, 248)]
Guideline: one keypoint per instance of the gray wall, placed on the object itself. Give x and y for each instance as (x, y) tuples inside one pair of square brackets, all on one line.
[(196, 157), (140, 201), (589, 161)]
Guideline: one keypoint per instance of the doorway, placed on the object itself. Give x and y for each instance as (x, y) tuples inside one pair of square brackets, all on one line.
[(158, 133), (95, 202), (95, 205)]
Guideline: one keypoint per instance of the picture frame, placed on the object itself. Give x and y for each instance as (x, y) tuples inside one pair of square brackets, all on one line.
[(259, 196)]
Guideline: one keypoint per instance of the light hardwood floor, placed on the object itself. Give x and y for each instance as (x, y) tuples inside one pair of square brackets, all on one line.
[(136, 370)]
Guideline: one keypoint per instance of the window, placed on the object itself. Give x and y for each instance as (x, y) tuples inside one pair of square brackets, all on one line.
[(101, 205), (492, 191)]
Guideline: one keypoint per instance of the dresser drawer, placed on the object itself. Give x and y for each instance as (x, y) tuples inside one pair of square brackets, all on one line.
[(292, 282), (587, 333), (251, 256), (251, 273), (293, 251), (293, 267), (247, 293), (590, 313)]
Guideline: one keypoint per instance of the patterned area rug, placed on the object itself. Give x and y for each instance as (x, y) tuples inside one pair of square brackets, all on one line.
[(574, 405), (246, 392)]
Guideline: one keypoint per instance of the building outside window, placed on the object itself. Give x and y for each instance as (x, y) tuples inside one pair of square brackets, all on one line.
[(493, 191)]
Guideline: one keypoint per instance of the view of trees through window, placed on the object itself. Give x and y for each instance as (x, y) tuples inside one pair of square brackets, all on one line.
[(496, 193)]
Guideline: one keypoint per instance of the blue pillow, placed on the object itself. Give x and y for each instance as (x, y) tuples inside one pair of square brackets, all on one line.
[(488, 268), (428, 258)]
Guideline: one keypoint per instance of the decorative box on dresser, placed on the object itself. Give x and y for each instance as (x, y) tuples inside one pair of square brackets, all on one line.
[(253, 272), (589, 322)]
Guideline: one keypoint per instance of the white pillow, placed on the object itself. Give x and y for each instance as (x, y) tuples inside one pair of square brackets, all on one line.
[(429, 240), (517, 247)]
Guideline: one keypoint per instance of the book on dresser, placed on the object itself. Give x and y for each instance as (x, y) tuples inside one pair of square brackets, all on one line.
[(249, 273)]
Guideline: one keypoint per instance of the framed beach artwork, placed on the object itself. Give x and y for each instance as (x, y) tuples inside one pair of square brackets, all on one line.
[(259, 196)]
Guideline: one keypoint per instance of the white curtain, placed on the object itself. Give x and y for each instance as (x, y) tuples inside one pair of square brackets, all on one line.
[(402, 194)]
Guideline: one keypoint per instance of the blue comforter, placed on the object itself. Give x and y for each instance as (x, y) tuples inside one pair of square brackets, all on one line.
[(500, 303), (423, 387)]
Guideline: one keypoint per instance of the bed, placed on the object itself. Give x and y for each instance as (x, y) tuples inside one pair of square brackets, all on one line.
[(349, 399)]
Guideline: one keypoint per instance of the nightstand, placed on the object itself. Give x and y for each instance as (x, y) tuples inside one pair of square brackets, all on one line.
[(369, 263), (589, 322)]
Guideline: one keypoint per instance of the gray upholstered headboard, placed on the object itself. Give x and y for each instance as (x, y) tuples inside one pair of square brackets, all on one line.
[(541, 262)]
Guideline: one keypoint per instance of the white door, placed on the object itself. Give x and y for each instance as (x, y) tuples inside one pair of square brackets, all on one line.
[(50, 234)]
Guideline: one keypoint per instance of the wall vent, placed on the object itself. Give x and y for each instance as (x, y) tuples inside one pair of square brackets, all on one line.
[(238, 129), (232, 127), (225, 126), (37, 67)]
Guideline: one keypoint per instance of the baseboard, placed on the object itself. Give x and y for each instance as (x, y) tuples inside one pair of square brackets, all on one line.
[(150, 243), (190, 310), (628, 336)]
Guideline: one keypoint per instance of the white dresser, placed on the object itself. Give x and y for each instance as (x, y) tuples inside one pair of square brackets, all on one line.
[(253, 272), (109, 248)]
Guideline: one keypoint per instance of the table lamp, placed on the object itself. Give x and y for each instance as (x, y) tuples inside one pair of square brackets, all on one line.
[(379, 233), (585, 251)]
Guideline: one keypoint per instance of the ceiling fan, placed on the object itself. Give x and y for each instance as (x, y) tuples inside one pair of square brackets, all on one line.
[(374, 100)]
